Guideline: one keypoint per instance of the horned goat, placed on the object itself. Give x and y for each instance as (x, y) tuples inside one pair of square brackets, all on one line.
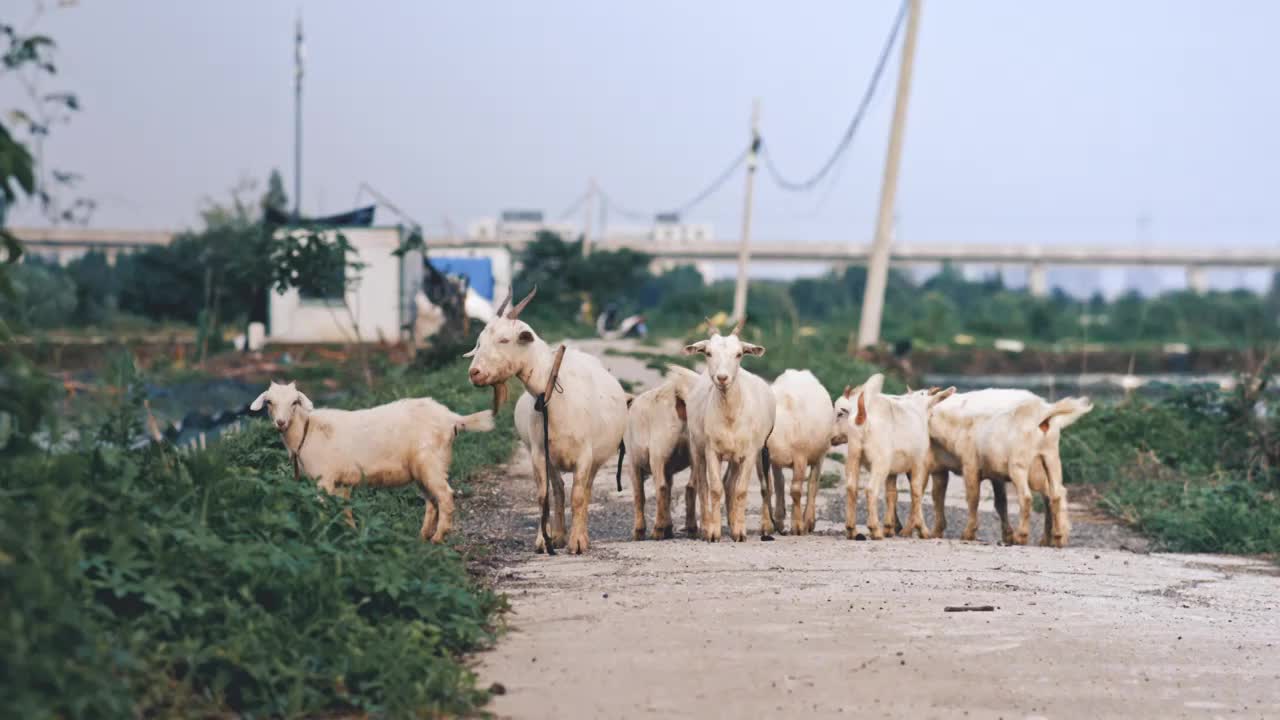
[(588, 411)]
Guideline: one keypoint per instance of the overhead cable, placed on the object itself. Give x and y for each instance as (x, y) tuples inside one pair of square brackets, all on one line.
[(847, 139)]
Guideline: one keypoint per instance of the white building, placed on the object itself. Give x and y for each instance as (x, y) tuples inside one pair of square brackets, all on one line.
[(379, 296)]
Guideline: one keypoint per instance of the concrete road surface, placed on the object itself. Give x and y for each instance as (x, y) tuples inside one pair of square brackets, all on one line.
[(820, 626)]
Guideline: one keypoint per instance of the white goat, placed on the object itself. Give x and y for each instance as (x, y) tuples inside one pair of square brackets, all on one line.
[(800, 441), (731, 414), (385, 446), (657, 444), (887, 435), (1005, 435), (588, 411)]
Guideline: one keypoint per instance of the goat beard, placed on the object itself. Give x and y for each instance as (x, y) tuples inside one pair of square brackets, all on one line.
[(499, 395)]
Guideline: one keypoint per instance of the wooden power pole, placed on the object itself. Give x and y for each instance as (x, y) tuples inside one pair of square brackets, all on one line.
[(744, 249), (586, 220), (878, 266)]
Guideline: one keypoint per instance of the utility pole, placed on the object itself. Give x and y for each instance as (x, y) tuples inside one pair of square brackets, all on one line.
[(744, 250), (878, 267), (297, 120), (586, 222)]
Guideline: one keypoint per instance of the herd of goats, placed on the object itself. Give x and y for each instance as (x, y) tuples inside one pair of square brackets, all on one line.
[(723, 424)]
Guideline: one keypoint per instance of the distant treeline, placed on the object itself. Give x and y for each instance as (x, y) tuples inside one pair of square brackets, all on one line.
[(930, 313), (169, 284)]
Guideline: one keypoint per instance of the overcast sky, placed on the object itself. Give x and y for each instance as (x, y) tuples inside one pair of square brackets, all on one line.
[(1038, 122)]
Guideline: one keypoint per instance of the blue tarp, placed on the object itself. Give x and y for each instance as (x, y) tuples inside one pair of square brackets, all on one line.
[(478, 271)]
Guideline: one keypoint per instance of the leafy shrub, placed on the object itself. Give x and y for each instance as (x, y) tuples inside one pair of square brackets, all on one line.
[(158, 583), (1194, 470)]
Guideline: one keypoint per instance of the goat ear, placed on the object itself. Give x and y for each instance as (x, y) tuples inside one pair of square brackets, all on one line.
[(256, 405), (941, 395), (306, 402), (694, 349), (525, 337), (750, 349)]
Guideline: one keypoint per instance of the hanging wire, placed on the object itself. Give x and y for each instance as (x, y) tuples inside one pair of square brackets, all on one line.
[(847, 139), (711, 188), (573, 207)]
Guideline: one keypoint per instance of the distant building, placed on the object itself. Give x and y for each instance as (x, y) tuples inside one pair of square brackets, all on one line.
[(380, 296)]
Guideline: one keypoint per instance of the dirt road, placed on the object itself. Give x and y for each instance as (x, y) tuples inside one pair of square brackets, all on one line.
[(827, 627)]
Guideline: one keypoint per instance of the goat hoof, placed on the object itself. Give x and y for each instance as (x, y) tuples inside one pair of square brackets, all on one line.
[(849, 533), (638, 533), (1020, 538), (663, 533), (876, 533), (969, 535), (739, 536)]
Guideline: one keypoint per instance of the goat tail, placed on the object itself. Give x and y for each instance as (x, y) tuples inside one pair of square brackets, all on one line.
[(1065, 412), (475, 422)]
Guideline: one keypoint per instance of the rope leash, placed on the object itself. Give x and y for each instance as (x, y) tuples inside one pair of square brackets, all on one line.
[(542, 406)]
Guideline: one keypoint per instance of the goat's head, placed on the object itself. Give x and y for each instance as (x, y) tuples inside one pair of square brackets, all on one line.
[(724, 355), (282, 403), (503, 347), (843, 408)]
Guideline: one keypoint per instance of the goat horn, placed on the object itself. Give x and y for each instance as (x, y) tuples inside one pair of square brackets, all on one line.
[(711, 327), (506, 302), (737, 329), (515, 311)]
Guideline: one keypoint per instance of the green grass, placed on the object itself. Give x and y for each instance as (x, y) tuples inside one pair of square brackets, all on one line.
[(153, 583), (1191, 471)]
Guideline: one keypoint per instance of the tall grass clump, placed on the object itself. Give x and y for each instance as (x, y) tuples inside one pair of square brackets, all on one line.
[(156, 583), (1197, 470)]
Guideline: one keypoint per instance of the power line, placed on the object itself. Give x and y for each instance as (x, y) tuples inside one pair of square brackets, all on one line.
[(723, 177), (852, 129), (573, 207)]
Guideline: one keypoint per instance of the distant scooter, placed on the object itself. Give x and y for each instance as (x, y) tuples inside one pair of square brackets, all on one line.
[(630, 326)]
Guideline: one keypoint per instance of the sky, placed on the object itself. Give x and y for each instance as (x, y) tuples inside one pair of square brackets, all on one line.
[(1088, 122)]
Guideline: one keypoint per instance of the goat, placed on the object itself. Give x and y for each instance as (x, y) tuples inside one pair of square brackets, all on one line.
[(389, 445), (887, 435), (730, 415), (588, 412), (657, 444), (1010, 436), (799, 441)]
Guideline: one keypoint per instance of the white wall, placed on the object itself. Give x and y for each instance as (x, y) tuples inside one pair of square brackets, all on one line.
[(374, 298)]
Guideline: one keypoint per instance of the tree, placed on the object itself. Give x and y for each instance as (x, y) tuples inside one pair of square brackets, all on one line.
[(275, 197), (320, 263), (24, 391)]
